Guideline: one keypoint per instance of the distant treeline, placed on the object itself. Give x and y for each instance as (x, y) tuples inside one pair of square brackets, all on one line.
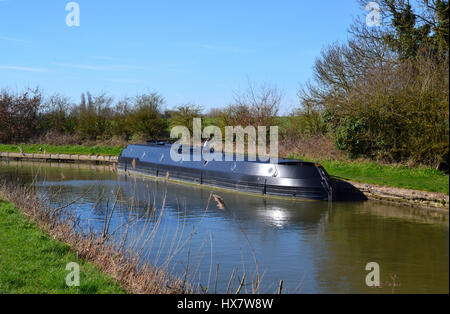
[(28, 115), (382, 95)]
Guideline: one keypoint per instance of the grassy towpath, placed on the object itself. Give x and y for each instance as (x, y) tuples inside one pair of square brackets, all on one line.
[(67, 149), (33, 263), (415, 178)]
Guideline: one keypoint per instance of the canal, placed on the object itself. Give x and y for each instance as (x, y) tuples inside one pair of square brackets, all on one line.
[(313, 247)]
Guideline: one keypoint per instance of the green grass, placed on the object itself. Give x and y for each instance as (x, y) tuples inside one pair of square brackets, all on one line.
[(68, 149), (418, 178), (33, 263)]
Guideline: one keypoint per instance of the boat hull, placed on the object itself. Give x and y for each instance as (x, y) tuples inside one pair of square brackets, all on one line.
[(286, 178)]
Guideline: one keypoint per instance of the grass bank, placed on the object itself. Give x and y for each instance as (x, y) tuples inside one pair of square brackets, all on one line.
[(67, 149), (33, 263), (415, 178)]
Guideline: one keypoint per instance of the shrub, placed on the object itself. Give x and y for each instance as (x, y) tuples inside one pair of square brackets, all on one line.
[(146, 118), (94, 117), (57, 117), (185, 115), (19, 115), (385, 93), (254, 107)]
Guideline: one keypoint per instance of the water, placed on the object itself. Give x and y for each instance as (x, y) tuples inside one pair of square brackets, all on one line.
[(312, 247)]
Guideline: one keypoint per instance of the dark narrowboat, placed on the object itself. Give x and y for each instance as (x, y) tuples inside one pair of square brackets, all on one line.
[(287, 178)]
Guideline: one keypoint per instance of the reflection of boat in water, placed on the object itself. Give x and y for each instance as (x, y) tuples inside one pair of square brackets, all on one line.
[(286, 178), (187, 201)]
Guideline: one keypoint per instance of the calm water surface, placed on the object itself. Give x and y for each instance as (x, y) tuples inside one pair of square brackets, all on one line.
[(311, 246)]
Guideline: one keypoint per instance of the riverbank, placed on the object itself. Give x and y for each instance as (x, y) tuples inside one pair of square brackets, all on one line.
[(33, 263), (67, 153), (60, 158), (63, 149), (37, 242), (420, 199), (395, 176)]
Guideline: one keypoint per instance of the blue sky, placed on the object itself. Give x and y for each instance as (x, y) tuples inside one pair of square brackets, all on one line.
[(189, 51)]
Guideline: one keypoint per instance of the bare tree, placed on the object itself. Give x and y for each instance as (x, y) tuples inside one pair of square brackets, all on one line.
[(256, 106), (19, 115)]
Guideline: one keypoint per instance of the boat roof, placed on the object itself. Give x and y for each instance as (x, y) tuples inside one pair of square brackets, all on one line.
[(163, 144)]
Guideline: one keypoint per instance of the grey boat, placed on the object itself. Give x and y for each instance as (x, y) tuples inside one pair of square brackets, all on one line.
[(287, 178)]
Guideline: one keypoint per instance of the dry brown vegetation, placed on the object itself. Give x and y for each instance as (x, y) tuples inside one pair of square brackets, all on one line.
[(315, 147), (56, 138)]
